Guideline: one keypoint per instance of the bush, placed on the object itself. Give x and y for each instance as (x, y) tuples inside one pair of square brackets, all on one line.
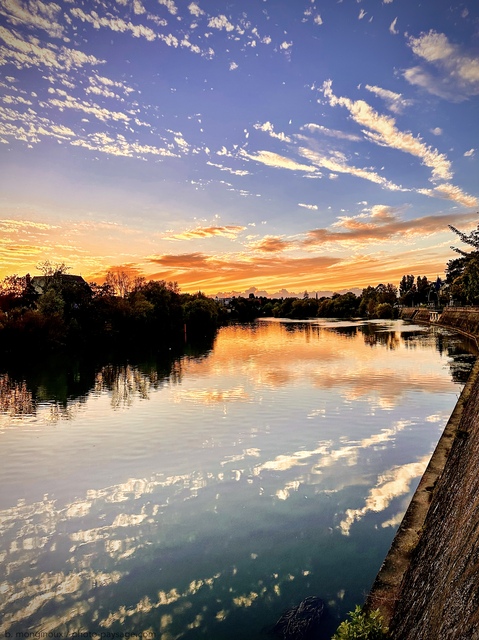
[(362, 626), (385, 311)]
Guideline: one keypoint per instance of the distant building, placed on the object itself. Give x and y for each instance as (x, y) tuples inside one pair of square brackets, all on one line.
[(225, 302)]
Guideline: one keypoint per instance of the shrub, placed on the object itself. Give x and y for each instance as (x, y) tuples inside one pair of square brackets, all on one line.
[(362, 626)]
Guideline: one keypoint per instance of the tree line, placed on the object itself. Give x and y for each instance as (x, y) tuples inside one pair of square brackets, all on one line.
[(57, 310)]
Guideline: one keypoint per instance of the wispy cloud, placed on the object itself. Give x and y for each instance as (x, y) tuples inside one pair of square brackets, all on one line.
[(382, 130), (27, 53), (312, 207), (451, 192), (275, 160), (339, 165), (271, 244), (455, 73), (269, 128), (395, 101), (230, 231), (392, 27), (120, 146), (333, 133), (381, 224), (36, 14), (115, 24), (235, 172)]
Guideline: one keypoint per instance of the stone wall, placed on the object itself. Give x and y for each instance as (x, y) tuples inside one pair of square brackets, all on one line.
[(464, 318), (427, 586), (439, 597)]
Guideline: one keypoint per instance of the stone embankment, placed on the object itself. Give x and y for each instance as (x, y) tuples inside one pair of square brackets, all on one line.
[(427, 586)]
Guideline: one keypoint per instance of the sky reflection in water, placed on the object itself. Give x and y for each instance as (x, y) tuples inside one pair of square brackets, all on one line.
[(201, 498)]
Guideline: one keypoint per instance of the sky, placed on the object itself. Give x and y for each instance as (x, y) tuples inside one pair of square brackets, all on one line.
[(234, 147)]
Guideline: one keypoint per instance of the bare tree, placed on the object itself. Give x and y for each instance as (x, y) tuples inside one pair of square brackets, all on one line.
[(50, 269), (120, 281)]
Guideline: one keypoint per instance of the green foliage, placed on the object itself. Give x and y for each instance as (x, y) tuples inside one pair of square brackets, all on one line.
[(385, 311), (362, 626), (201, 315)]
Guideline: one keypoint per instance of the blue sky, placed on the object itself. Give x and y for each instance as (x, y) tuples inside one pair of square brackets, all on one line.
[(264, 144)]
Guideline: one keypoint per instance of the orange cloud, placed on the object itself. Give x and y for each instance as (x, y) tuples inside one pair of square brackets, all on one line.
[(271, 244), (229, 231), (211, 273), (383, 225)]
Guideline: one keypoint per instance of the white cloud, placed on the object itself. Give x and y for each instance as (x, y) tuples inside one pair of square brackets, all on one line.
[(119, 146), (457, 72), (451, 192), (333, 133), (312, 207), (235, 172), (37, 14), (170, 5), (390, 485), (115, 24), (318, 20), (195, 10), (395, 102), (26, 54), (233, 66), (268, 128), (275, 160), (437, 131), (470, 153), (220, 22), (169, 39), (338, 165), (69, 102), (362, 13), (392, 27), (285, 45), (382, 130)]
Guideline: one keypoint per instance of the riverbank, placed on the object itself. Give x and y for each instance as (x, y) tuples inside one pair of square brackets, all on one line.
[(426, 587)]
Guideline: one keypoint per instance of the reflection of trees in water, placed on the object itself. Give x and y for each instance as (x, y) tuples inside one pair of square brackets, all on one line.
[(62, 385), (462, 353), (126, 382), (15, 397), (389, 339), (346, 332)]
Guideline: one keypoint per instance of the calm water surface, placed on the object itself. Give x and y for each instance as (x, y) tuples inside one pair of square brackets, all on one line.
[(201, 496)]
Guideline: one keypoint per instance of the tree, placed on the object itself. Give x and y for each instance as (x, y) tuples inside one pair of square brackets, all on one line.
[(50, 269), (406, 284), (120, 282), (463, 273), (472, 239)]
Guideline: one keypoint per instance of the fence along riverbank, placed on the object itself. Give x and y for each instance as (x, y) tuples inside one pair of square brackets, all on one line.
[(426, 587)]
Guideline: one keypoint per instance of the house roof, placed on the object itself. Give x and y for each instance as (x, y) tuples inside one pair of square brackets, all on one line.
[(39, 282)]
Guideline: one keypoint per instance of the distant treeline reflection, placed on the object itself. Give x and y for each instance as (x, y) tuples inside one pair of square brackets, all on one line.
[(60, 384)]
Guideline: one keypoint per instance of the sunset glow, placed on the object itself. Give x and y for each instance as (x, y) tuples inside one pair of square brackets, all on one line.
[(265, 146)]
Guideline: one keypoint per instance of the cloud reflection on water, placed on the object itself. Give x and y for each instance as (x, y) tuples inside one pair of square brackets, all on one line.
[(65, 560)]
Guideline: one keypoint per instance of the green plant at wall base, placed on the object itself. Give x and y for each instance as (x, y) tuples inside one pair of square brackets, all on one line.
[(362, 626)]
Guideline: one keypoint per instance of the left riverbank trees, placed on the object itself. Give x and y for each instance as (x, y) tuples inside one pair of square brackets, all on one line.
[(57, 311)]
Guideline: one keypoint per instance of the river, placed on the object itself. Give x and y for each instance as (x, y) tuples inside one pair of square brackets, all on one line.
[(201, 494)]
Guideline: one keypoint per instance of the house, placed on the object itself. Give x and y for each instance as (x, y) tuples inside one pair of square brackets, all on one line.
[(40, 283)]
